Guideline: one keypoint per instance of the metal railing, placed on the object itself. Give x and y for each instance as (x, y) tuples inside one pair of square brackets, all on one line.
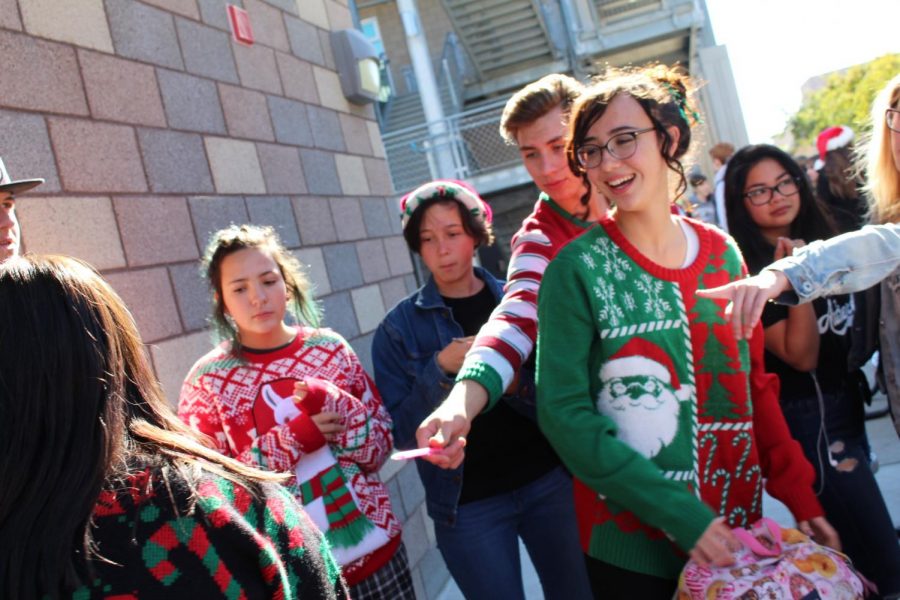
[(469, 144), (454, 70), (610, 11)]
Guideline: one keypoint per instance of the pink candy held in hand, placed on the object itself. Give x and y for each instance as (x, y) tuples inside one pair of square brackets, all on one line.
[(416, 453)]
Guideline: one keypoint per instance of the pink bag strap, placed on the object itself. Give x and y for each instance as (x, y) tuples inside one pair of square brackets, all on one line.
[(749, 540)]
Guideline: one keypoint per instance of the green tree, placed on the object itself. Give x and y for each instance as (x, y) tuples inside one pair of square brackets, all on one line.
[(846, 99), (714, 361)]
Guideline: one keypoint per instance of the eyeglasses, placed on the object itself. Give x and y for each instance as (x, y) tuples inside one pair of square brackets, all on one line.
[(760, 196), (892, 118), (620, 146)]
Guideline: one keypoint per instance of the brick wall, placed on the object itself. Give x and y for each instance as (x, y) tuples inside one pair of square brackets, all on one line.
[(153, 129)]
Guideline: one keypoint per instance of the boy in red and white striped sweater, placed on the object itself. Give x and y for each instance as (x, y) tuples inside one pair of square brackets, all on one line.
[(534, 120)]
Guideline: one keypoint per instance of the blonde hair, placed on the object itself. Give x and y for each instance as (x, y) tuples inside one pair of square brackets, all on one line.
[(535, 100), (882, 176)]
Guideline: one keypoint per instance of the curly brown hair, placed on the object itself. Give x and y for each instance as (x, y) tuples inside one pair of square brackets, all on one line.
[(662, 91)]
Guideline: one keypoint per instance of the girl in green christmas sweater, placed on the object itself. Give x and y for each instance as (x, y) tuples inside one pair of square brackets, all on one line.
[(669, 424)]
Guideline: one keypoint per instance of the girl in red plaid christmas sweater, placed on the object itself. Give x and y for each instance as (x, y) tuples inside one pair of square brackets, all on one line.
[(296, 399)]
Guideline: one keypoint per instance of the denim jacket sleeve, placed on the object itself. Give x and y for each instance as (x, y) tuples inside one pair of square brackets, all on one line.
[(410, 391), (843, 264)]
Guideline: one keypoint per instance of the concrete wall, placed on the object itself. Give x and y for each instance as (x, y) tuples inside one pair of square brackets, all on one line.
[(153, 129)]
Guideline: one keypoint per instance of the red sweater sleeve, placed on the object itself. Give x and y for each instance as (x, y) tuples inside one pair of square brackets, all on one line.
[(279, 449)]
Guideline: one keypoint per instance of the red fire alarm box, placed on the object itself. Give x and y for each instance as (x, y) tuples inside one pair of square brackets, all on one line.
[(240, 25)]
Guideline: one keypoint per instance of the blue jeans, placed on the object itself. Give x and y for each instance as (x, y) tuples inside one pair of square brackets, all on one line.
[(848, 492), (482, 548)]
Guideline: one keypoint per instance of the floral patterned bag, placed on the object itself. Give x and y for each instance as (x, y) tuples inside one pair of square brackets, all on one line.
[(775, 563)]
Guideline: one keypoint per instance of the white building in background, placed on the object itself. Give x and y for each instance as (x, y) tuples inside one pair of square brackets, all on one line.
[(482, 51)]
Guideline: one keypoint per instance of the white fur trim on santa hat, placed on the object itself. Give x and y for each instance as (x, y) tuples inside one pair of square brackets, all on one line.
[(831, 138), (634, 366)]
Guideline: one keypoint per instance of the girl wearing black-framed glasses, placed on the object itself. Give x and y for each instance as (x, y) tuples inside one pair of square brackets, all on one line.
[(637, 381), (848, 263), (809, 346)]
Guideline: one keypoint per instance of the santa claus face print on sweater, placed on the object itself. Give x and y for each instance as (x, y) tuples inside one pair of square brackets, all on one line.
[(640, 392)]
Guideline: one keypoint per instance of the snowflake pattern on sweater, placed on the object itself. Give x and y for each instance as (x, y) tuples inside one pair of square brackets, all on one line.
[(162, 539), (246, 408)]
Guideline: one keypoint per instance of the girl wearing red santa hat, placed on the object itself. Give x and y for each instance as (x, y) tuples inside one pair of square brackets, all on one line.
[(668, 422), (839, 186)]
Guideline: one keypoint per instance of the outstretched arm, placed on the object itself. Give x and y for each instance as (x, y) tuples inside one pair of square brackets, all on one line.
[(841, 265), (747, 298), (502, 345), (411, 389)]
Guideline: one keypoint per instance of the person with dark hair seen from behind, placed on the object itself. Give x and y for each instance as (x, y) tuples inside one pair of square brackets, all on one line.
[(670, 425), (720, 153), (281, 393), (511, 483), (534, 120), (10, 234), (772, 211), (105, 493), (839, 185)]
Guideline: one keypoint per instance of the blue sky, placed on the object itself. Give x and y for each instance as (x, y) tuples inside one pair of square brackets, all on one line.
[(776, 45)]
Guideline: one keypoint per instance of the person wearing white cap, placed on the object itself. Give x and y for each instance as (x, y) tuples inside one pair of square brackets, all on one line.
[(10, 235)]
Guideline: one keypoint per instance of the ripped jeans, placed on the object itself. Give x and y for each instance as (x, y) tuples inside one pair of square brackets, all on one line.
[(847, 488)]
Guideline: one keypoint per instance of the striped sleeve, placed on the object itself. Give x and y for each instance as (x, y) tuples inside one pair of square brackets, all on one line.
[(506, 341)]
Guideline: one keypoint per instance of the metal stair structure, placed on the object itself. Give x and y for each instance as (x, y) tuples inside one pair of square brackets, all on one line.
[(501, 36), (403, 135), (610, 11)]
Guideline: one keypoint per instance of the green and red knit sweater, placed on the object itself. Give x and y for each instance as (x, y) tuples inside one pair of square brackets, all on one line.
[(664, 418), (246, 408), (168, 537)]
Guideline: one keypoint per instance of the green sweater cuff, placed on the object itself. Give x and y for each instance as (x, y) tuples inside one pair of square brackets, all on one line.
[(488, 378)]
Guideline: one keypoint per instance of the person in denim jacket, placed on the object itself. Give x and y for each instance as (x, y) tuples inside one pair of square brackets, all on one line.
[(511, 483), (846, 263)]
